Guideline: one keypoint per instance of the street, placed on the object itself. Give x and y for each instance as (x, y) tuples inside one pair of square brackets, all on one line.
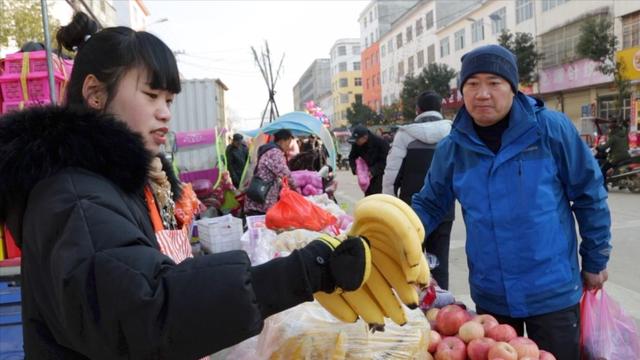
[(623, 268)]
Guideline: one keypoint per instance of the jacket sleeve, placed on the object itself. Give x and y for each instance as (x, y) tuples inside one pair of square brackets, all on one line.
[(436, 198), (353, 155), (380, 160), (394, 162), (583, 185), (110, 294)]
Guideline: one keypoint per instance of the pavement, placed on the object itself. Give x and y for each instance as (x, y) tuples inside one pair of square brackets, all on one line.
[(624, 265)]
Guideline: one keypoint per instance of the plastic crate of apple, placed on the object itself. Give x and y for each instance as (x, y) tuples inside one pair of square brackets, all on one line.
[(458, 335)]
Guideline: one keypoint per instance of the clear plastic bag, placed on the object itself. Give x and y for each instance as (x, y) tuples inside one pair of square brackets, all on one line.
[(606, 332)]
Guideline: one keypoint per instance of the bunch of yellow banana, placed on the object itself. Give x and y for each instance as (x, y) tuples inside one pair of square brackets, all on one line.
[(395, 235)]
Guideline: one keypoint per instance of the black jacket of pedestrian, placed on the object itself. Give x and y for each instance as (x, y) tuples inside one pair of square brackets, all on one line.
[(236, 160), (374, 153), (93, 277)]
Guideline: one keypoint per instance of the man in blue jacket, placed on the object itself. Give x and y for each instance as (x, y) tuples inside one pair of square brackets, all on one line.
[(521, 173)]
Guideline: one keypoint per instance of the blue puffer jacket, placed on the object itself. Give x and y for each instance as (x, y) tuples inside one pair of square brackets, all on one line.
[(519, 207)]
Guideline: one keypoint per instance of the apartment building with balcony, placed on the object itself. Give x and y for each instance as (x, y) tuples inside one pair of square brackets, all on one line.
[(346, 78)]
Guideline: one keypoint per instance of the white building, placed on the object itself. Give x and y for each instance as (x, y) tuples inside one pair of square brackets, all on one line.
[(132, 13), (346, 81)]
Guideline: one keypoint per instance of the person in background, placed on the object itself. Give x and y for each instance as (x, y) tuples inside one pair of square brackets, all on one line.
[(272, 167), (618, 146), (522, 175), (74, 182), (407, 165), (237, 153), (373, 150)]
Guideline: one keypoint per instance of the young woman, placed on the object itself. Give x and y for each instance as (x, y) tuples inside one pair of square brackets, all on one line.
[(95, 283)]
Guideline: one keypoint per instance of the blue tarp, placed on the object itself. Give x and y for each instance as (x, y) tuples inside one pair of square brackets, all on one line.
[(300, 124)]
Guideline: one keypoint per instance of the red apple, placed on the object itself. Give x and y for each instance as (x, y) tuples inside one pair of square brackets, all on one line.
[(470, 330), (487, 321), (451, 348), (545, 355), (525, 347), (502, 350), (502, 332), (434, 340), (478, 349), (450, 318)]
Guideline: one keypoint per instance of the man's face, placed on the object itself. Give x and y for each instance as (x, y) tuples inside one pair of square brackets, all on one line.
[(487, 97), (362, 140)]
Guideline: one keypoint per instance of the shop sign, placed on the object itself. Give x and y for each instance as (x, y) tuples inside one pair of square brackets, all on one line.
[(572, 75), (454, 101), (631, 59)]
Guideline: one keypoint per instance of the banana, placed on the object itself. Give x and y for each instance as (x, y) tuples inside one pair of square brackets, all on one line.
[(398, 224), (362, 302), (425, 274), (411, 274), (385, 297), (404, 207), (334, 243), (392, 272), (336, 306)]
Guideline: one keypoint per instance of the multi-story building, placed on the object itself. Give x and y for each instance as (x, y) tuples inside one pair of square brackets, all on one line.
[(566, 81), (314, 83), (132, 13), (346, 80), (376, 19)]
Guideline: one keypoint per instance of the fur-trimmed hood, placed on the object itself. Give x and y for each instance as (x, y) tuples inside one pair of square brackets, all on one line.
[(39, 142)]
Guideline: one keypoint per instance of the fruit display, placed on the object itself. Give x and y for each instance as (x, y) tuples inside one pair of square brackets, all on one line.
[(459, 335), (395, 234)]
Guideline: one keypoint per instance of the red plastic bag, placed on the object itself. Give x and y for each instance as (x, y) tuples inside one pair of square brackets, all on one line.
[(606, 332), (293, 211), (362, 172)]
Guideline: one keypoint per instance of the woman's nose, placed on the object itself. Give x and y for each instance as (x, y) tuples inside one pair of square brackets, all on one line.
[(163, 113)]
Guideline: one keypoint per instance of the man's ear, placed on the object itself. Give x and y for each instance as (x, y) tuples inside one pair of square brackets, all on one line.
[(94, 93)]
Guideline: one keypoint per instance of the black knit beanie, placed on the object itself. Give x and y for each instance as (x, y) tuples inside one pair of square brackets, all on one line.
[(493, 59)]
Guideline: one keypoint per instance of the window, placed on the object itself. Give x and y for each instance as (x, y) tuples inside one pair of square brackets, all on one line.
[(419, 27), (390, 45), (524, 10), (355, 50), (344, 98), (342, 67), (477, 31), (409, 34), (420, 57), (356, 65), (400, 70), (431, 53), (357, 81), (631, 30), (392, 73), (607, 107), (384, 76), (385, 100), (370, 16), (429, 20), (399, 41), (371, 39), (459, 39), (383, 50), (559, 46), (358, 98), (344, 82), (550, 4), (498, 21), (365, 21), (342, 50), (410, 65), (444, 47)]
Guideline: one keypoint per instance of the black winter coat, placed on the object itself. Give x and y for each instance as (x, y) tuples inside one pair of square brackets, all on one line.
[(374, 152), (94, 282)]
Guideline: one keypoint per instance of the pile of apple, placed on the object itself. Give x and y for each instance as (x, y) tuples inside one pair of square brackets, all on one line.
[(457, 335)]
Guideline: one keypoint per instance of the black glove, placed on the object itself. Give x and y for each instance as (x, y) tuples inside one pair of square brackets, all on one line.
[(330, 263)]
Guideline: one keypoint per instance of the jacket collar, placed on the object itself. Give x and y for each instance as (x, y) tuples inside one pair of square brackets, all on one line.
[(522, 121), (428, 116)]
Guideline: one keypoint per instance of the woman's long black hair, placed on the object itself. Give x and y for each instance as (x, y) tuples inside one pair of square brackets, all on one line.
[(110, 53)]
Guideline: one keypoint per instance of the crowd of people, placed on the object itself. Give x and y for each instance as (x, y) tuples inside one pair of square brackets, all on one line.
[(89, 197)]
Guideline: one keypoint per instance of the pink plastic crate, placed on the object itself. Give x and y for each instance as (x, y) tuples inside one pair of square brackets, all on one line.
[(37, 62), (19, 105), (37, 87)]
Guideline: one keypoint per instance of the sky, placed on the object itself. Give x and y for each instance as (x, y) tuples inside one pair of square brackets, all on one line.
[(216, 37)]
